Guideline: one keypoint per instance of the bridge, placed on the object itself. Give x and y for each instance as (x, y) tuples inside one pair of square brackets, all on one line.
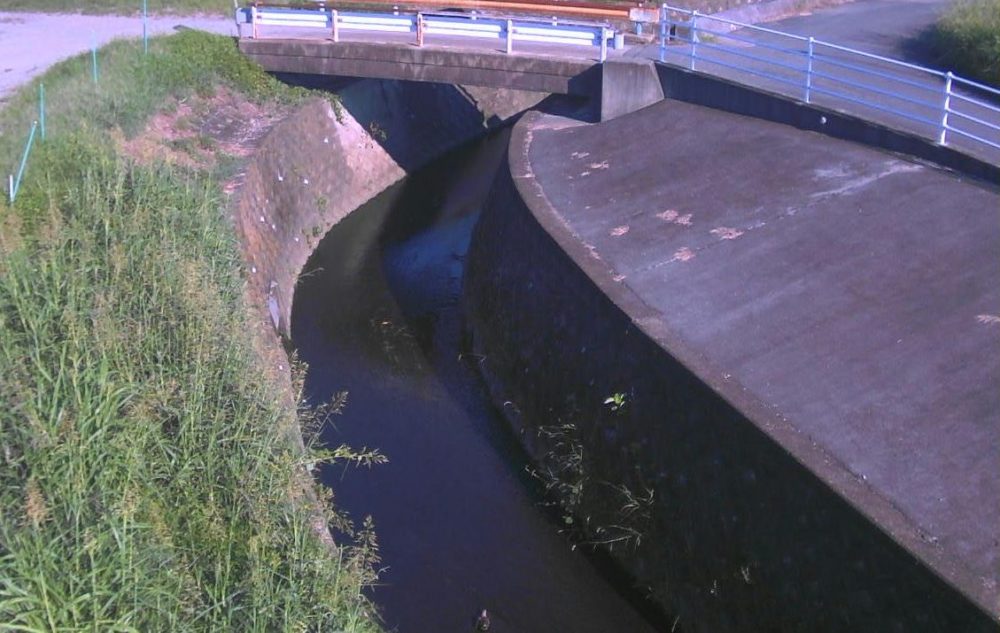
[(810, 231)]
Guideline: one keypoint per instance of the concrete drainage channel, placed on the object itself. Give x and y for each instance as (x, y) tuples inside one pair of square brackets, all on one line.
[(462, 527)]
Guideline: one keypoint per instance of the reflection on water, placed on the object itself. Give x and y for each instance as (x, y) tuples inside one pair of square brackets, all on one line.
[(460, 530)]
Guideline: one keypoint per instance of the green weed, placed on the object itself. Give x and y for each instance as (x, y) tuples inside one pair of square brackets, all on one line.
[(144, 479), (121, 7), (967, 39)]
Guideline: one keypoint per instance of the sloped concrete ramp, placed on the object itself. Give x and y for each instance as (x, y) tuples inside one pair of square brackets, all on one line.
[(844, 299)]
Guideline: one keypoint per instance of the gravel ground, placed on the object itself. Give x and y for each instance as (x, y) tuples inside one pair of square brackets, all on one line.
[(31, 42)]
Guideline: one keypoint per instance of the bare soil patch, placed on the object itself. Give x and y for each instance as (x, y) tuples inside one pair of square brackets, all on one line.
[(200, 132)]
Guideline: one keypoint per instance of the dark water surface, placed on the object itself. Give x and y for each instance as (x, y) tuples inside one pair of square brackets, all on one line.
[(459, 527)]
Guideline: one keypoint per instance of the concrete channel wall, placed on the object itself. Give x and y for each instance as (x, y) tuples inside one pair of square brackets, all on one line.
[(736, 534), (320, 164)]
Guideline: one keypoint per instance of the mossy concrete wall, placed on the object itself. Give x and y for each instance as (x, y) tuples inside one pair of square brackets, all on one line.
[(320, 164), (323, 162)]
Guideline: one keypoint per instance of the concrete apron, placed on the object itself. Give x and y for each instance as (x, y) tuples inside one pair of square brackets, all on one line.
[(741, 536)]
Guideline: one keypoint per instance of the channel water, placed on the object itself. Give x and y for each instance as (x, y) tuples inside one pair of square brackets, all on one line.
[(460, 526)]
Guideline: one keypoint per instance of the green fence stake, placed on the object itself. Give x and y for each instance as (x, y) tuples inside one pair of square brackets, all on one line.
[(24, 162), (93, 54), (41, 109)]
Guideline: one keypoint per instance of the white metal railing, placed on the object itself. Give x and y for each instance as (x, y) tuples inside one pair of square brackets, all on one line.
[(422, 25), (940, 105)]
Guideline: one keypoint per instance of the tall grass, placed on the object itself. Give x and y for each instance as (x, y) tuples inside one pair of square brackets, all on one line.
[(144, 485), (967, 38), (122, 7)]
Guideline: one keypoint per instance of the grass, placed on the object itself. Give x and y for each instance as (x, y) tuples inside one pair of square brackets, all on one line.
[(143, 480), (120, 7), (967, 39)]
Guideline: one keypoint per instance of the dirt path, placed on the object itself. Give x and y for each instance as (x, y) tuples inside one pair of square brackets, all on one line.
[(31, 42)]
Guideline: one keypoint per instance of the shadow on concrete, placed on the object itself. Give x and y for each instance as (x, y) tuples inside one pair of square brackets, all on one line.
[(439, 113)]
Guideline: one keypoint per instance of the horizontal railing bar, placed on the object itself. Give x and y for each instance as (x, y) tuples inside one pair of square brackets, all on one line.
[(977, 102), (729, 51), (465, 28), (885, 93), (869, 104), (972, 136), (976, 85), (550, 39), (826, 59), (381, 28), (887, 60), (440, 30), (987, 124), (532, 30), (384, 21)]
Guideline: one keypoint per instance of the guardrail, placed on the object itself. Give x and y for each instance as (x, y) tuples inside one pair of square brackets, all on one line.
[(578, 9), (937, 104), (423, 25)]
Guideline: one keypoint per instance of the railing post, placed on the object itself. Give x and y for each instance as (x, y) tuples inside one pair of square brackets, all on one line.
[(336, 25), (420, 29), (16, 183), (694, 37), (809, 68), (253, 21), (145, 31), (93, 54), (41, 109), (604, 44), (945, 108), (663, 29), (510, 36)]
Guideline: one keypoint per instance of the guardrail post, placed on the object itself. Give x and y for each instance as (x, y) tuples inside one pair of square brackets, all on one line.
[(809, 67), (41, 109), (420, 29), (336, 25), (16, 183), (510, 36), (945, 108), (253, 21), (663, 30), (694, 37), (145, 29), (604, 44), (93, 54), (10, 188)]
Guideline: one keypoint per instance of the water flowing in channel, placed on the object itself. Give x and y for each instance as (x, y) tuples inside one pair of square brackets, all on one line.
[(459, 525)]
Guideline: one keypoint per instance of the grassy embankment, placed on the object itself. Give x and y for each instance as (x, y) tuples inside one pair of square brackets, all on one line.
[(967, 39), (120, 7), (143, 483)]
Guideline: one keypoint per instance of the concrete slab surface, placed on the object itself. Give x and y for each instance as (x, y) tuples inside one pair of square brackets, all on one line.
[(854, 293)]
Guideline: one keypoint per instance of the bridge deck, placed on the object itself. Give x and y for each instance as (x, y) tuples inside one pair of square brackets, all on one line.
[(854, 293), (542, 70)]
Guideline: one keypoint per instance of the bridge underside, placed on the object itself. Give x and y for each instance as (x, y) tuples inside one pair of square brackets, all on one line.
[(407, 62)]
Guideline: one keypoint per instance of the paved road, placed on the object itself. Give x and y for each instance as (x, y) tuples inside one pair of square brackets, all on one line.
[(31, 42), (884, 27)]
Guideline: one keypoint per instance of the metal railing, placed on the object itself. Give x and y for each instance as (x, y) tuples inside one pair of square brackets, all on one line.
[(424, 25), (939, 105)]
